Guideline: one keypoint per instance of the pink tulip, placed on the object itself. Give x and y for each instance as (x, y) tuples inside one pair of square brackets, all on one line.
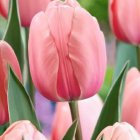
[(89, 111), (119, 131), (7, 57), (22, 130), (131, 100), (67, 53), (125, 20), (4, 7), (27, 8)]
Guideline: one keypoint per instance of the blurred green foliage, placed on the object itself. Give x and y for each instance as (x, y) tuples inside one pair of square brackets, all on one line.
[(3, 24), (98, 8)]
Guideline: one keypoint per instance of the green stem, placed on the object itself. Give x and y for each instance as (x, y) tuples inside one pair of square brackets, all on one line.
[(75, 116), (28, 81), (138, 57)]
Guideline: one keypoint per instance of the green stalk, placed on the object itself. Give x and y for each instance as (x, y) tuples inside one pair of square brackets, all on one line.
[(28, 81), (75, 116), (138, 57)]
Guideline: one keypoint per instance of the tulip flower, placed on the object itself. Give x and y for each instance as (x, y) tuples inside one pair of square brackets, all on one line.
[(67, 53), (125, 20), (131, 100), (4, 7), (22, 130), (89, 111), (7, 57), (119, 131), (27, 9)]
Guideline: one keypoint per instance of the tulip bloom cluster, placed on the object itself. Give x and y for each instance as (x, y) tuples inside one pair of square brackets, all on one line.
[(67, 53), (27, 9), (7, 57)]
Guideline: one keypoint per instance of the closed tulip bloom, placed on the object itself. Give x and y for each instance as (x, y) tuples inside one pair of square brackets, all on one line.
[(4, 8), (22, 130), (125, 20), (89, 111), (119, 131), (7, 57), (27, 9), (131, 99), (67, 53)]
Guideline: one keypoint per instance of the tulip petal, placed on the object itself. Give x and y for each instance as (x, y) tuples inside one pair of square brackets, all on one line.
[(87, 52), (43, 60)]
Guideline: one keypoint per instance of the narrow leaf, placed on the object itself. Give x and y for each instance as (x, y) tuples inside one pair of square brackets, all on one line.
[(19, 102), (112, 106), (13, 32), (71, 131), (3, 128)]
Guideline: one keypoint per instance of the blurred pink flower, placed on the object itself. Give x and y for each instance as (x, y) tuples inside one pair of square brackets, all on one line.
[(22, 130), (7, 57), (131, 99), (27, 8), (67, 53), (119, 131), (125, 20), (89, 111)]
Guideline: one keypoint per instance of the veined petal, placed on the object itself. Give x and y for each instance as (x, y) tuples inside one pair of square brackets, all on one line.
[(43, 57), (87, 52)]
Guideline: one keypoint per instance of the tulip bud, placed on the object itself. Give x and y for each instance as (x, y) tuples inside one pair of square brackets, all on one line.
[(67, 53), (89, 111), (125, 20), (4, 8), (119, 131), (22, 130), (131, 99), (27, 9), (7, 57)]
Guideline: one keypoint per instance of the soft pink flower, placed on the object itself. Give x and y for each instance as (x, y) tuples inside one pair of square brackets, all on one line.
[(119, 131), (22, 130), (7, 57), (67, 53), (131, 99), (89, 111), (4, 7), (27, 8), (125, 20)]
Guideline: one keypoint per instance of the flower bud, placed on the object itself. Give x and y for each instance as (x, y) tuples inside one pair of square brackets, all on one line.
[(67, 53), (7, 57), (22, 130), (125, 20), (119, 131), (131, 99), (27, 9)]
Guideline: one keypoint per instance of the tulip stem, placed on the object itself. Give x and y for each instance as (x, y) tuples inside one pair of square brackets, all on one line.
[(138, 57), (28, 80), (75, 116)]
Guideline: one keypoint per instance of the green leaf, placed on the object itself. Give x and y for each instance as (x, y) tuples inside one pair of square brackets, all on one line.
[(19, 102), (71, 132), (3, 128), (107, 83), (112, 106), (125, 52), (13, 32)]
